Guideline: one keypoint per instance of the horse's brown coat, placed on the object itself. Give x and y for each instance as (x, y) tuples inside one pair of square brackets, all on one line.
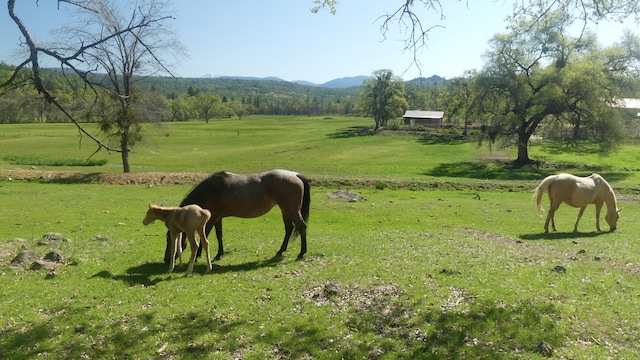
[(578, 192), (248, 196)]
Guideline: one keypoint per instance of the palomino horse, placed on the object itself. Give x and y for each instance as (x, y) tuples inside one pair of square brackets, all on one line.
[(249, 196), (187, 219), (578, 192)]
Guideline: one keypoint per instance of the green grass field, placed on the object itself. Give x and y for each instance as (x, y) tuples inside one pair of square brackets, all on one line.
[(464, 272)]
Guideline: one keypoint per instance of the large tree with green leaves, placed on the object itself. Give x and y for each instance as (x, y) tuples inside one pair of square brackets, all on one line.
[(383, 97), (539, 71)]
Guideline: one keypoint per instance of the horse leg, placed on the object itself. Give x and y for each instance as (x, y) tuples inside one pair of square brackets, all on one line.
[(194, 251), (549, 218), (207, 229), (575, 227), (301, 228), (598, 208), (288, 230), (179, 248), (172, 251), (204, 243), (218, 226)]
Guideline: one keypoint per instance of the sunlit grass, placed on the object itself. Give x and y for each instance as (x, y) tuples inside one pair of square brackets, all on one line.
[(406, 274)]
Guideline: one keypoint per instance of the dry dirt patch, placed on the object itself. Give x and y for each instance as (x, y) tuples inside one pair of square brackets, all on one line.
[(147, 178)]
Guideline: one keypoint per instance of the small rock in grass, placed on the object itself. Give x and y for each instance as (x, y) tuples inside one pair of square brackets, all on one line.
[(545, 349), (100, 238), (52, 237), (55, 256), (27, 256)]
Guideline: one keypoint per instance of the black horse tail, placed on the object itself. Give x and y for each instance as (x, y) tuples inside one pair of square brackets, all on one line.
[(306, 202), (306, 199)]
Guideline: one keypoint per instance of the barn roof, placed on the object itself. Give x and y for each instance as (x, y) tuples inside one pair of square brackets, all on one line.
[(419, 114), (628, 103)]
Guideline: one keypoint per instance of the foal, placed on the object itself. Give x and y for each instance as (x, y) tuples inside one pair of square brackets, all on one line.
[(187, 219)]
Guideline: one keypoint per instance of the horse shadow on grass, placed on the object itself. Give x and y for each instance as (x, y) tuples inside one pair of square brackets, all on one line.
[(149, 274), (562, 235)]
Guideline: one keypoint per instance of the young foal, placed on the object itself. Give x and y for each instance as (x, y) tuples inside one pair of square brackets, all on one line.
[(578, 192), (187, 219)]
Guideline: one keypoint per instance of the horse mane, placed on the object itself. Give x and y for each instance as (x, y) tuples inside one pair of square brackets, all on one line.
[(199, 191)]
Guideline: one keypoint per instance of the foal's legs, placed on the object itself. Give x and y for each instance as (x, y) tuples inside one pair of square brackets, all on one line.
[(194, 251), (575, 227), (175, 238), (204, 242)]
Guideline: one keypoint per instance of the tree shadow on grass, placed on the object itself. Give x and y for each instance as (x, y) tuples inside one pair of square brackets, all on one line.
[(497, 170), (488, 170), (119, 337), (470, 328), (354, 131), (562, 235), (442, 140)]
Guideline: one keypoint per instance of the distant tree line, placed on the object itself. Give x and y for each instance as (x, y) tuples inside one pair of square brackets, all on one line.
[(180, 99)]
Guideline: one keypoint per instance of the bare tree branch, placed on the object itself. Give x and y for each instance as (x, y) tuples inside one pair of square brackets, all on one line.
[(34, 51)]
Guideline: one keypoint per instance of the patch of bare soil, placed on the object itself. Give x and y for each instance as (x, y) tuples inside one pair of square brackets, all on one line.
[(147, 178), (346, 195)]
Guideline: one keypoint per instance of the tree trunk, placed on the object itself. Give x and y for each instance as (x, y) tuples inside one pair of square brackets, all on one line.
[(125, 152), (523, 149)]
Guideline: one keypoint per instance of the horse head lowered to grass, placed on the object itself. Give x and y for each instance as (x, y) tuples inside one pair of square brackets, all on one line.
[(182, 220), (578, 192), (226, 194)]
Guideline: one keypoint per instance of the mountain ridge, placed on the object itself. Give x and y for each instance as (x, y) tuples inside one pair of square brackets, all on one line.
[(338, 83)]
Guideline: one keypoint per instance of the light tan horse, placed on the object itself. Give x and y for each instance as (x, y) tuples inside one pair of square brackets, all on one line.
[(578, 192), (187, 219)]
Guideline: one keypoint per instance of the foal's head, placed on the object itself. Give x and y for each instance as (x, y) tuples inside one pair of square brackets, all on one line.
[(151, 215)]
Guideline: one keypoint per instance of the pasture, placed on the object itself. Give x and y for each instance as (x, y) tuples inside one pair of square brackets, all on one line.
[(440, 253)]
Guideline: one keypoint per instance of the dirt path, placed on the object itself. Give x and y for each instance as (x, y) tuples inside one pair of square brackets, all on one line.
[(149, 178)]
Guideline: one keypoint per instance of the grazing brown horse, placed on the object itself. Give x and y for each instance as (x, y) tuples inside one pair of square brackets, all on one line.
[(249, 196), (188, 220), (578, 192)]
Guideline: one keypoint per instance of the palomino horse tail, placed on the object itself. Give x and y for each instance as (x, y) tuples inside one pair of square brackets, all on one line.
[(306, 202), (544, 185)]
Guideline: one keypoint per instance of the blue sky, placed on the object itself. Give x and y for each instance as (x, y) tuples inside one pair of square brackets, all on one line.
[(283, 38)]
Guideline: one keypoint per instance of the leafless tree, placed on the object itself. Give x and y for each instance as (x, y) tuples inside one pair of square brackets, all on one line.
[(126, 43)]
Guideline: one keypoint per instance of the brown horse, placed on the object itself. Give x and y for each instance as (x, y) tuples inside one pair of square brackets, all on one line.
[(188, 220), (578, 192), (249, 196)]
